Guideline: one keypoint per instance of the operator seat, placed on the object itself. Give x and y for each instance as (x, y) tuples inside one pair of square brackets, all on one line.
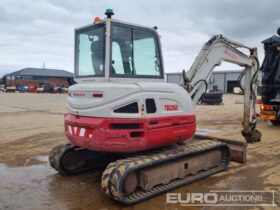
[(97, 57)]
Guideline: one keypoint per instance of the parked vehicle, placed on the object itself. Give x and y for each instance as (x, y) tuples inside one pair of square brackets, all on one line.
[(20, 88), (65, 90), (25, 87), (32, 89), (48, 88), (57, 89), (2, 88), (40, 89), (270, 90), (11, 89)]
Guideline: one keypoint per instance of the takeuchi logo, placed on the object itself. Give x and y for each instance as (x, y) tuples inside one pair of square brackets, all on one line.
[(79, 94), (230, 54)]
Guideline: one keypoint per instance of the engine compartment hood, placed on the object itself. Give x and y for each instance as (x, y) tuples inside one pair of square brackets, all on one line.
[(83, 96)]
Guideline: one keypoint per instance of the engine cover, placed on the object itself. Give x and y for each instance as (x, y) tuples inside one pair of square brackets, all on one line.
[(128, 117)]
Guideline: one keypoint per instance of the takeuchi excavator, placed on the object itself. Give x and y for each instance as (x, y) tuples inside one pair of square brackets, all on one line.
[(124, 118)]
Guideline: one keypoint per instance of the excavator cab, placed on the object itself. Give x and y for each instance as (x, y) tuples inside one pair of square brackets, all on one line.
[(117, 50)]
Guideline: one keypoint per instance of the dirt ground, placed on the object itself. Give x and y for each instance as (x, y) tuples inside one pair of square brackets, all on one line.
[(32, 124)]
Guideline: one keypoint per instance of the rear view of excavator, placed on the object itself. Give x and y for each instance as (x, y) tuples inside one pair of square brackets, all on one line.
[(270, 90), (125, 119)]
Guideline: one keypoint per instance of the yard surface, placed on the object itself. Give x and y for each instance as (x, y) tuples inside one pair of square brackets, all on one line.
[(32, 124)]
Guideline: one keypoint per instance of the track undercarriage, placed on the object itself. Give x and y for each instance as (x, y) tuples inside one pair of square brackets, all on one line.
[(138, 178), (132, 178), (69, 159)]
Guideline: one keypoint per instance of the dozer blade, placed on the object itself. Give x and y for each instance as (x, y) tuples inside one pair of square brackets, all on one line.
[(238, 149), (135, 179)]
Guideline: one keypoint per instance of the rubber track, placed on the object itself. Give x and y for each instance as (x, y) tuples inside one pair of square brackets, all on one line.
[(57, 154), (114, 175)]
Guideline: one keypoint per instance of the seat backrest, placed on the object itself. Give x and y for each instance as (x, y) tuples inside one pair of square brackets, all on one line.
[(97, 57)]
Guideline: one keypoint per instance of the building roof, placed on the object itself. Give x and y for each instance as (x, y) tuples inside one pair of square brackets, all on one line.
[(41, 72), (215, 72)]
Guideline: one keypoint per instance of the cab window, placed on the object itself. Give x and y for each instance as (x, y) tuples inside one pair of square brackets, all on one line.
[(135, 53)]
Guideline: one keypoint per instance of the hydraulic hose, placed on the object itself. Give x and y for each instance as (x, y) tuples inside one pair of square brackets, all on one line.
[(254, 77), (206, 87), (239, 80), (205, 82)]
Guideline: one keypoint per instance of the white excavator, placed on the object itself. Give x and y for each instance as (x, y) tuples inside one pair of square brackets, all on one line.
[(124, 118)]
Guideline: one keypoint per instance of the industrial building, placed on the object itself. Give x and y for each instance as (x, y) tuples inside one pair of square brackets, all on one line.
[(224, 81), (38, 76)]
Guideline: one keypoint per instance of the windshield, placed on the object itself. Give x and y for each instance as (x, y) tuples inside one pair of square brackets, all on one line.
[(89, 54), (135, 53)]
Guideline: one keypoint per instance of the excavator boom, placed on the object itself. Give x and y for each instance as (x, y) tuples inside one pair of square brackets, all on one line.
[(217, 50)]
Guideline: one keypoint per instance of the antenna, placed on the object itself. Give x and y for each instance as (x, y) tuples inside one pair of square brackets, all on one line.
[(44, 66)]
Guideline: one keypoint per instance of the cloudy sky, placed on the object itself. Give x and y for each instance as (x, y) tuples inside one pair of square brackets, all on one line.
[(37, 31)]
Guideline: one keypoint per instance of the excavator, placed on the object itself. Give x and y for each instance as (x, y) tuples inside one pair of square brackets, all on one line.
[(124, 118)]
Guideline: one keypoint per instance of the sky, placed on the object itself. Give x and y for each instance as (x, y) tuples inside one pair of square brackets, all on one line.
[(34, 32)]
